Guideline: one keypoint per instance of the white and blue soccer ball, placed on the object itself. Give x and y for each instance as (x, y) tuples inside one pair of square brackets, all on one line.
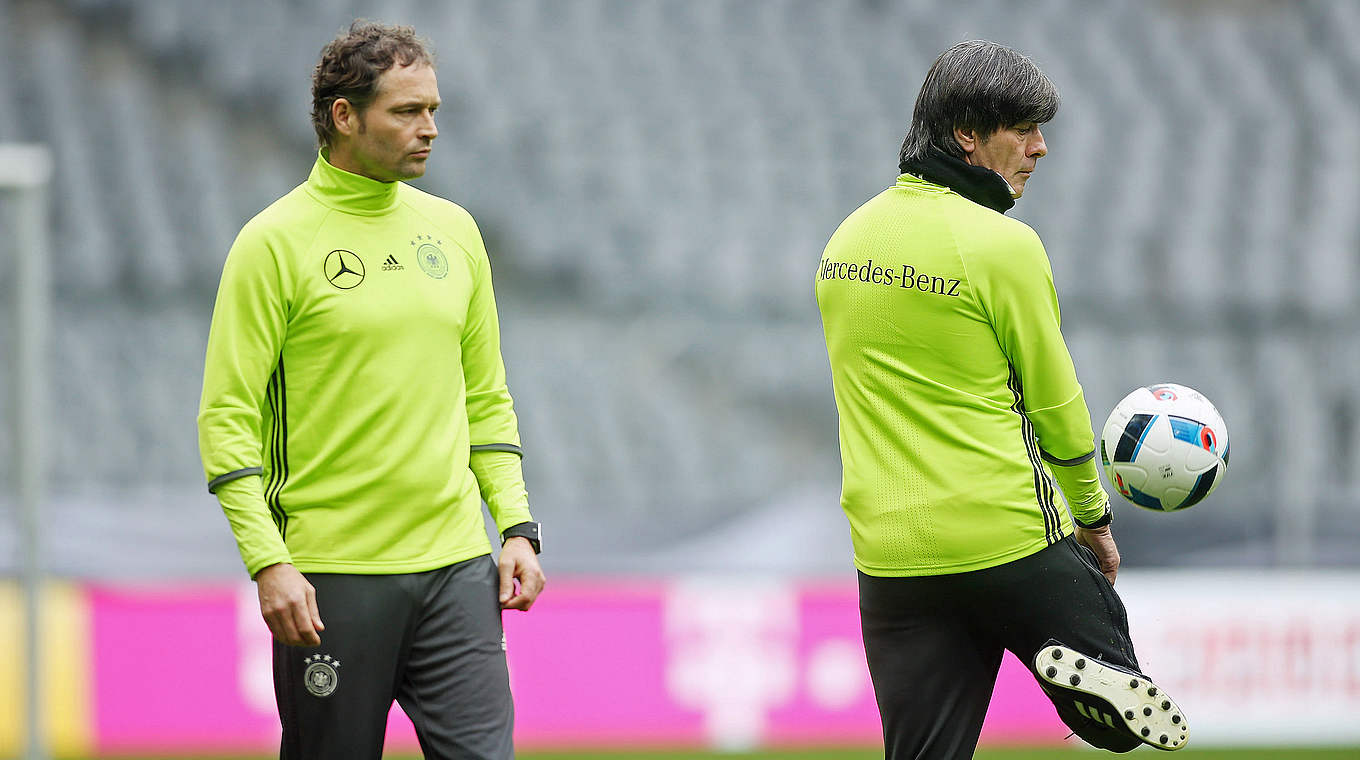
[(1164, 447)]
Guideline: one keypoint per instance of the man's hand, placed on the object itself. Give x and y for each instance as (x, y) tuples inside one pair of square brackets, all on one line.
[(518, 562), (1101, 542), (288, 603)]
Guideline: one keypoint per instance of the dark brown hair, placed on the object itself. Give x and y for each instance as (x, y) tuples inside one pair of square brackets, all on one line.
[(977, 85), (351, 64)]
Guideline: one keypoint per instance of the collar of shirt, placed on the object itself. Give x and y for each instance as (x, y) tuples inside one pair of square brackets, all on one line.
[(348, 192), (976, 183)]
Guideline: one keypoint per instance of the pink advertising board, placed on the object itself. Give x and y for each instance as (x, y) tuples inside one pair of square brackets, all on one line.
[(600, 662)]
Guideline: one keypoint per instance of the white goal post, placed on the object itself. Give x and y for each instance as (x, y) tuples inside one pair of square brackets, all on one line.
[(24, 173)]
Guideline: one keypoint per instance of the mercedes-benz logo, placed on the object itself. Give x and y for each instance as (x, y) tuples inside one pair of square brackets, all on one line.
[(344, 269)]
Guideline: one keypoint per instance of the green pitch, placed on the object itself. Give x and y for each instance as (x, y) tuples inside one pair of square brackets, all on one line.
[(1346, 753), (1351, 753)]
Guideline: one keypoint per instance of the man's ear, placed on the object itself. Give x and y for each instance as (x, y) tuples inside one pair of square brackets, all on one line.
[(967, 139), (345, 117)]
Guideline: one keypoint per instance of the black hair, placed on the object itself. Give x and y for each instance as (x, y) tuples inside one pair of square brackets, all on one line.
[(979, 86)]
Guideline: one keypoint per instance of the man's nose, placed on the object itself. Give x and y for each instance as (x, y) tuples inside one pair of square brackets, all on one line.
[(428, 131), (1038, 148)]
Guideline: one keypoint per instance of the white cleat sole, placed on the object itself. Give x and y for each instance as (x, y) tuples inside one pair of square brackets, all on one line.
[(1114, 697)]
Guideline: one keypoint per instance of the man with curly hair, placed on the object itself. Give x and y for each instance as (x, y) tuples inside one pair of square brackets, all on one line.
[(354, 417)]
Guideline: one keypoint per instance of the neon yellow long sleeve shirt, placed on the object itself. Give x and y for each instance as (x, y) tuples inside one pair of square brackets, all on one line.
[(953, 385), (353, 389)]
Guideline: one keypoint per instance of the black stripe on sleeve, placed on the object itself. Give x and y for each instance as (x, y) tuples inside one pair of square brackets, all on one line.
[(278, 448), (1043, 489), (233, 475), (509, 448), (272, 445), (1067, 462)]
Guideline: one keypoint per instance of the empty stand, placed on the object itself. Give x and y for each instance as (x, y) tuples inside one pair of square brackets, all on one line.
[(656, 181)]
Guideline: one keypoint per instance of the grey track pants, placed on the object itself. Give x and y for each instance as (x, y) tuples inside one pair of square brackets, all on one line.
[(432, 641)]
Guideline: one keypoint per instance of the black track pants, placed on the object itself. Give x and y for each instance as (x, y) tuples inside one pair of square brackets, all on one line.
[(432, 641), (934, 643)]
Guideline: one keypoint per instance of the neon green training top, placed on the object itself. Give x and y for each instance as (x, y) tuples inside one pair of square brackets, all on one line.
[(354, 366), (953, 385)]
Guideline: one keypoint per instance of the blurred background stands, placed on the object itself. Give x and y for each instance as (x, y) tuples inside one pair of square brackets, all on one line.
[(655, 181)]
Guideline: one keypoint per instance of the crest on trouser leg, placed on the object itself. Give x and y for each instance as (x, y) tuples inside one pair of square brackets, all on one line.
[(322, 675)]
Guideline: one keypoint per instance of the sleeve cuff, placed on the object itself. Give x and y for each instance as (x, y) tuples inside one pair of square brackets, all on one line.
[(1101, 522), (260, 564)]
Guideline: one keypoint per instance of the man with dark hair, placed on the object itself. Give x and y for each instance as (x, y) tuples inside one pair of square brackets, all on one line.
[(354, 416), (959, 408)]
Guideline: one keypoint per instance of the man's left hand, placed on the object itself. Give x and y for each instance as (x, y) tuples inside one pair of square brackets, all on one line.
[(1100, 541), (518, 562)]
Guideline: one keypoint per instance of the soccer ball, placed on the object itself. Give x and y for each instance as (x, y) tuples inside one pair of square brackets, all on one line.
[(1164, 447)]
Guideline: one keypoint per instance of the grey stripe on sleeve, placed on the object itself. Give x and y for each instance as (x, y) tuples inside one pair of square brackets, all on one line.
[(1067, 462), (227, 478), (509, 448)]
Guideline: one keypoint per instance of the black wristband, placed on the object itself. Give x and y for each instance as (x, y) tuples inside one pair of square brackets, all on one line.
[(1104, 520), (530, 530)]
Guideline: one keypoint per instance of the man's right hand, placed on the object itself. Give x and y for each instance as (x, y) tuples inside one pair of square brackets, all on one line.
[(288, 604)]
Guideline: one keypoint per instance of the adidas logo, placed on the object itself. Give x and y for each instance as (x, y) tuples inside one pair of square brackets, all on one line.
[(1093, 714), (390, 264)]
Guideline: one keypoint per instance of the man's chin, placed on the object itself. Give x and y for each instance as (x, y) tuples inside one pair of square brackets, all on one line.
[(413, 170)]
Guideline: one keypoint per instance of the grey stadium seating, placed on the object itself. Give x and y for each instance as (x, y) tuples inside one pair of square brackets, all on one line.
[(656, 181)]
